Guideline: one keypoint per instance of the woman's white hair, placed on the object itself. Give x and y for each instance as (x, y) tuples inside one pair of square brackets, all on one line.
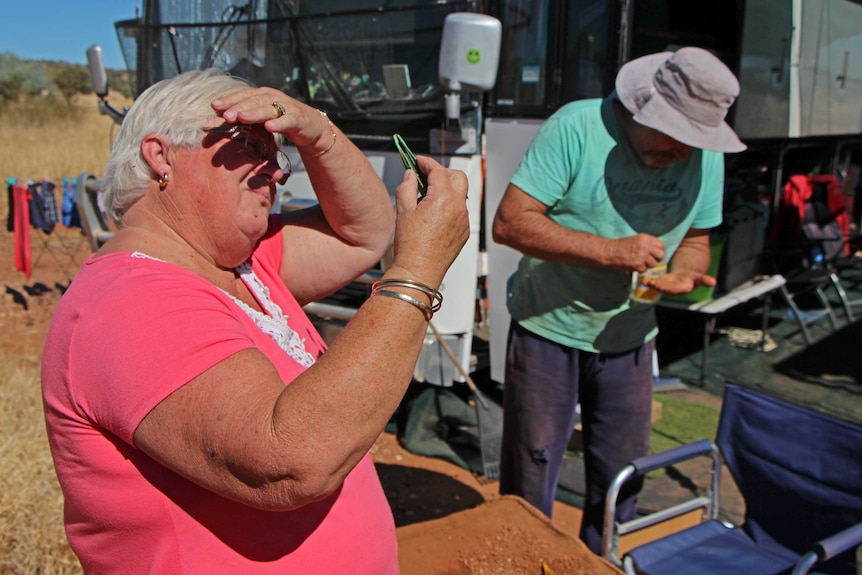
[(176, 108)]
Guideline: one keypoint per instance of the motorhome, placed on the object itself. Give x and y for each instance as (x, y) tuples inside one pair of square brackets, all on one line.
[(474, 93)]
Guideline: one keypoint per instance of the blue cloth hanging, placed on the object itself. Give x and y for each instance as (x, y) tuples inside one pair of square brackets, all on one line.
[(71, 218)]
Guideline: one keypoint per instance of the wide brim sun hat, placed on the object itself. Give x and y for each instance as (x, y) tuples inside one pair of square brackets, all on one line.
[(685, 94)]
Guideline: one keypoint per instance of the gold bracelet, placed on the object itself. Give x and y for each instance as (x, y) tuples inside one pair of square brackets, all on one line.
[(423, 307), (334, 137), (435, 296)]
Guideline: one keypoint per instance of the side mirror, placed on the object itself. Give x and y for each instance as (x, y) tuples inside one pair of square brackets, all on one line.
[(98, 76)]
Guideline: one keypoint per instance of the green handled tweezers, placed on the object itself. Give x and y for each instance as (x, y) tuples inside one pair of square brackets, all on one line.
[(408, 158)]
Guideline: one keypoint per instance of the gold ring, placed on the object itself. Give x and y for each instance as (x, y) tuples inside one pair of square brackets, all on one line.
[(279, 109)]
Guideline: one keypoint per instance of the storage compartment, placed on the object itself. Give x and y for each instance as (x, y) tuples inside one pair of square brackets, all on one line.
[(745, 227), (801, 69)]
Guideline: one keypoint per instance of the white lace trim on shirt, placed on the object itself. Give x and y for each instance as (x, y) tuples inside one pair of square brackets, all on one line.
[(275, 325)]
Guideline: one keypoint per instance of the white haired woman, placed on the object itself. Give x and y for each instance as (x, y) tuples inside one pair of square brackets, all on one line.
[(197, 422)]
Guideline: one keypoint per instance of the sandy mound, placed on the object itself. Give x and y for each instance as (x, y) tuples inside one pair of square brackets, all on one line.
[(505, 536)]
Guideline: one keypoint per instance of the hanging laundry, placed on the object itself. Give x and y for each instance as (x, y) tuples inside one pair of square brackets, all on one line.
[(43, 206), (10, 217), (21, 201), (71, 217)]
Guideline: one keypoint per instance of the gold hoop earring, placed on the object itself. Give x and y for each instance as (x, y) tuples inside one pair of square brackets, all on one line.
[(163, 181)]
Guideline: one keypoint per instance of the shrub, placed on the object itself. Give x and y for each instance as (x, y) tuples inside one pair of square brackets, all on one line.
[(71, 80)]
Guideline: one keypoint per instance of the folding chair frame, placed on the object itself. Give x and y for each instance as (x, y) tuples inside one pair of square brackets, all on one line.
[(709, 502), (818, 552), (93, 221)]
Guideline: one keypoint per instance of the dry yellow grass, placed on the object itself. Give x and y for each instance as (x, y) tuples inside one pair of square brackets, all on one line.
[(31, 504), (41, 138), (45, 138)]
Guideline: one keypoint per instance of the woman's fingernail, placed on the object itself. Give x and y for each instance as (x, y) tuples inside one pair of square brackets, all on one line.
[(407, 175)]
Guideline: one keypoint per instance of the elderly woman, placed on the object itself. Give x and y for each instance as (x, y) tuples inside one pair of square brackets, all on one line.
[(197, 422)]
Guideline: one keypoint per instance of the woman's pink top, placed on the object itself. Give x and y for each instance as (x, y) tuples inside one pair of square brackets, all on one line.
[(131, 330)]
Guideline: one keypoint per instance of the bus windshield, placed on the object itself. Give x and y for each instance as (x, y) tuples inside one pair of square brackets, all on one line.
[(348, 57)]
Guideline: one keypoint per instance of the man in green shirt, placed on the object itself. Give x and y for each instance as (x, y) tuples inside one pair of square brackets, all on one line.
[(609, 188)]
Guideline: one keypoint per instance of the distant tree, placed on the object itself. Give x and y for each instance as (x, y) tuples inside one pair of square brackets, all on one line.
[(71, 80), (8, 63), (35, 79), (11, 87)]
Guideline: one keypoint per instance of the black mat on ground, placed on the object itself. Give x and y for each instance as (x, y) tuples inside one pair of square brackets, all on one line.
[(833, 361), (438, 422)]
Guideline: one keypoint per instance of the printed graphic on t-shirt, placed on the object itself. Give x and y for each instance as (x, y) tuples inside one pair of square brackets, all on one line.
[(651, 201)]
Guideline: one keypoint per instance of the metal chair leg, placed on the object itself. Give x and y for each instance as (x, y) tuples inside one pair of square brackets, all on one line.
[(842, 296), (791, 303), (824, 301)]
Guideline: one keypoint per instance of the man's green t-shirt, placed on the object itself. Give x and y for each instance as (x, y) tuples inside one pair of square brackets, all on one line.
[(582, 167)]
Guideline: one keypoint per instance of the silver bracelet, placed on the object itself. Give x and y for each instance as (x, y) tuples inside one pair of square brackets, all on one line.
[(435, 295), (423, 307)]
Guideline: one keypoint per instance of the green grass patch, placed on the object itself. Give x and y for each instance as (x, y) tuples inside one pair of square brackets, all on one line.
[(682, 422)]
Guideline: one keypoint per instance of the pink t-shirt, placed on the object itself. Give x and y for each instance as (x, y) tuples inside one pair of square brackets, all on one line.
[(131, 330)]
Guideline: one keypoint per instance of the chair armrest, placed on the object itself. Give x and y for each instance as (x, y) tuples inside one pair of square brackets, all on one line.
[(93, 221), (643, 465), (839, 543), (830, 547)]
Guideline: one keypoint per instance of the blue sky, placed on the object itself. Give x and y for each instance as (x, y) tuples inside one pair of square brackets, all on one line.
[(63, 29)]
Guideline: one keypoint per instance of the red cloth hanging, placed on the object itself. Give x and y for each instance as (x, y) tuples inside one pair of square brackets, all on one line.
[(21, 198)]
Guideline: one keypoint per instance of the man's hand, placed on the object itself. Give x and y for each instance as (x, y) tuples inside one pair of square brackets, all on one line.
[(635, 253), (679, 283)]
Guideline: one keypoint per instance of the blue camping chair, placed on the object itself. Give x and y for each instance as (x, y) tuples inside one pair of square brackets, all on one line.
[(800, 474)]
